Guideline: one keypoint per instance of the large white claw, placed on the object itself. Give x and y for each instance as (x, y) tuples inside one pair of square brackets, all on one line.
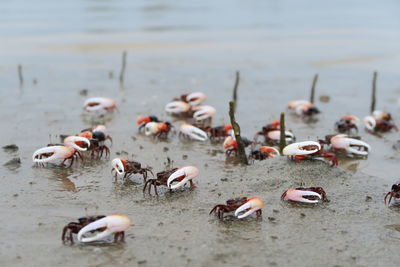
[(193, 132), (204, 112), (348, 144), (71, 141), (298, 195), (99, 104), (113, 223), (177, 107), (276, 135), (118, 166), (297, 149), (196, 98), (185, 174), (251, 206), (58, 153), (370, 123)]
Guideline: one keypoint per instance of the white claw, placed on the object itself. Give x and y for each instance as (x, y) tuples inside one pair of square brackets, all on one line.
[(177, 107), (97, 104), (276, 135), (297, 149), (118, 166), (193, 132), (343, 142), (195, 99), (251, 206), (204, 112), (298, 195), (58, 153), (187, 173), (113, 223), (70, 141), (370, 123)]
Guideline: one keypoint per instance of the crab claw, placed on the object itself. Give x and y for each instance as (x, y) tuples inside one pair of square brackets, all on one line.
[(299, 195), (99, 103), (230, 142), (269, 151), (113, 224), (195, 99), (52, 153), (193, 132), (348, 144), (297, 149), (295, 103), (204, 112), (370, 123), (183, 175), (252, 205), (381, 115), (118, 165), (352, 118), (151, 128), (177, 107), (76, 142), (276, 135)]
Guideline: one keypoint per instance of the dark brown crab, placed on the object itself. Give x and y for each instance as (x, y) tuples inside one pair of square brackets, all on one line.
[(394, 193), (126, 168), (239, 205), (74, 227), (97, 136)]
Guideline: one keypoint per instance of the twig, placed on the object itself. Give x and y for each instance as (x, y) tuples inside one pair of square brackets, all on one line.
[(242, 158), (314, 84), (122, 73), (282, 139), (21, 78), (373, 97), (235, 87)]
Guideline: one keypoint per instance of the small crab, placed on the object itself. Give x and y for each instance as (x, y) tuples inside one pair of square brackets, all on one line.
[(141, 121), (100, 136), (189, 131), (127, 168), (393, 193), (305, 195), (379, 121), (350, 145), (272, 134), (265, 152), (100, 105), (179, 108), (231, 146), (193, 99), (347, 123), (242, 207), (158, 129), (74, 227), (166, 178), (217, 133), (308, 150), (303, 108), (115, 224)]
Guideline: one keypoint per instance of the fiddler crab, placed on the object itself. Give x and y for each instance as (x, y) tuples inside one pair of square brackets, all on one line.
[(230, 145), (182, 175), (272, 134), (265, 152), (99, 228), (100, 105), (193, 99), (393, 193), (309, 150), (126, 168), (188, 131), (303, 108), (379, 121), (242, 207), (217, 133), (59, 154), (141, 121), (347, 123), (351, 146), (305, 195), (98, 136)]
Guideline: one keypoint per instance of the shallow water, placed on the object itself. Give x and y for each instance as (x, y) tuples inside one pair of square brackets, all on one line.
[(177, 47)]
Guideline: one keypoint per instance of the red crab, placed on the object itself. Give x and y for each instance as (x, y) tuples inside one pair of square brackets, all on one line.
[(98, 136)]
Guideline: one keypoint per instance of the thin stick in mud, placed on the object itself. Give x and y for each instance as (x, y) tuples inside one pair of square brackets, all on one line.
[(20, 76), (122, 73), (242, 158), (373, 96), (314, 84), (282, 139), (235, 87)]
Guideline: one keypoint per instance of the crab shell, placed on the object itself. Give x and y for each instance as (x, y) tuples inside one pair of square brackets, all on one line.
[(352, 118), (270, 151), (297, 149), (98, 104), (185, 174), (252, 205), (58, 153)]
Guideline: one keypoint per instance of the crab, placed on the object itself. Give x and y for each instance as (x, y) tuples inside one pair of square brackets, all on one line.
[(265, 152), (115, 224), (309, 150), (98, 135), (272, 134), (166, 178), (216, 133), (188, 131), (158, 129), (394, 193), (141, 121), (350, 145), (100, 105), (61, 153), (193, 99), (347, 123), (74, 227), (305, 195), (303, 108), (179, 109), (231, 146), (126, 168), (379, 121), (242, 207)]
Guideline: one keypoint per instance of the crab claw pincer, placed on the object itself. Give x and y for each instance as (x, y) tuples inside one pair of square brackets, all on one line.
[(300, 196), (99, 104), (204, 112), (276, 135), (192, 132), (301, 148), (196, 98), (254, 204), (177, 107), (112, 224), (77, 142), (350, 145), (118, 165), (51, 154), (183, 175)]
